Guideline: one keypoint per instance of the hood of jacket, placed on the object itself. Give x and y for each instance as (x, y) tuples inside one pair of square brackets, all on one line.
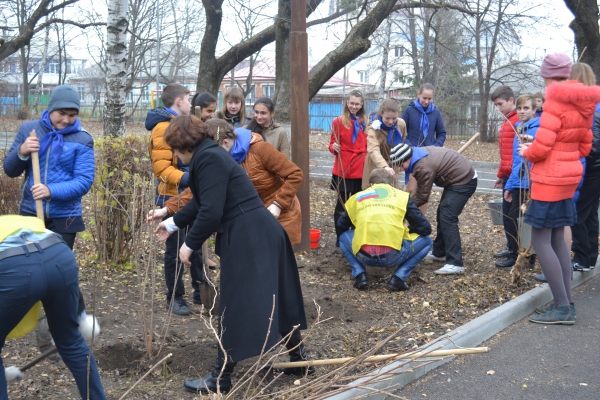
[(584, 98), (156, 116)]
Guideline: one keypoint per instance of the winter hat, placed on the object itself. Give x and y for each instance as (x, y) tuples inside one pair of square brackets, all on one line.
[(400, 153), (556, 65), (62, 97)]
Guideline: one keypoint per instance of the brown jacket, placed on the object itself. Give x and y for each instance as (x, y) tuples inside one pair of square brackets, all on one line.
[(275, 178), (378, 151), (444, 167), (164, 162)]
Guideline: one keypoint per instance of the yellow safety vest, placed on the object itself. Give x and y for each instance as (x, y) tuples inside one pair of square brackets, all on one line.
[(11, 224), (378, 217)]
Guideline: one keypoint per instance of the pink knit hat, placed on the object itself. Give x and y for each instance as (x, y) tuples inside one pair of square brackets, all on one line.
[(556, 65)]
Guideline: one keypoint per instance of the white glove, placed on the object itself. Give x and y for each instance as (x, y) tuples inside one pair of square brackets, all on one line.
[(275, 210), (170, 225)]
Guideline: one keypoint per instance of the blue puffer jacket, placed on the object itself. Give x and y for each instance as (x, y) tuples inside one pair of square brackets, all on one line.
[(68, 179), (518, 178), (414, 137)]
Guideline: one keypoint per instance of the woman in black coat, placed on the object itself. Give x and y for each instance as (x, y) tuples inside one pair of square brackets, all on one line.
[(257, 260)]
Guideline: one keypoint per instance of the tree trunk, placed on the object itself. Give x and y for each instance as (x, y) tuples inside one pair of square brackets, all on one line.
[(282, 62), (38, 86), (25, 78), (412, 27), (385, 53), (585, 27), (116, 68)]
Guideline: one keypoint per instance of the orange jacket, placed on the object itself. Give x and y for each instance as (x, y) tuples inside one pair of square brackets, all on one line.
[(164, 162), (506, 137), (564, 136)]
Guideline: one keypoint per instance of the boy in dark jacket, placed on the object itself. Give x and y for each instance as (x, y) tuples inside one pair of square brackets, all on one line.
[(424, 123), (450, 170), (585, 231), (504, 100)]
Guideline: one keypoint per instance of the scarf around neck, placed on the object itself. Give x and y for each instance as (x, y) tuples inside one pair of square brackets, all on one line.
[(54, 138), (417, 154), (239, 151), (393, 134), (424, 126), (358, 124)]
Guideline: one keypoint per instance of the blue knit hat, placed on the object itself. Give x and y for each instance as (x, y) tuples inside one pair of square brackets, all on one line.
[(63, 97)]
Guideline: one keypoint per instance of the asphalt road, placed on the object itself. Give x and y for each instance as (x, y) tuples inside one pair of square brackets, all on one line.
[(526, 361)]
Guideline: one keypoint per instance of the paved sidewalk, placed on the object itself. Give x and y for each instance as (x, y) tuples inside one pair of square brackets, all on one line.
[(529, 361)]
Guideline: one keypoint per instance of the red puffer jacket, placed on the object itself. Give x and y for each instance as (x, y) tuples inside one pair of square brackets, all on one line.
[(564, 136), (350, 162), (506, 138)]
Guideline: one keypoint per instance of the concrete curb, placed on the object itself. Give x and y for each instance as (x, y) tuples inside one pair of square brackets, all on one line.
[(470, 334)]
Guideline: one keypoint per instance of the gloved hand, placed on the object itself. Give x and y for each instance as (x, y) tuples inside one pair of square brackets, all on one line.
[(275, 210)]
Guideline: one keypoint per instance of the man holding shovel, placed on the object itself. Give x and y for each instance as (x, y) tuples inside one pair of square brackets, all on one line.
[(66, 156)]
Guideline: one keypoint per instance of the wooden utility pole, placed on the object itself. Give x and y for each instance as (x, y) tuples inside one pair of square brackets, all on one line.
[(299, 111)]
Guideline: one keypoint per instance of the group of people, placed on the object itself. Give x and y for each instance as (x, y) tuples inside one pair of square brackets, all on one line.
[(371, 212), (223, 172), (550, 160)]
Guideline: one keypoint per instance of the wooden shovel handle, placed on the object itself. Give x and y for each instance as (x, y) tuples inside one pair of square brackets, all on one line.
[(35, 164)]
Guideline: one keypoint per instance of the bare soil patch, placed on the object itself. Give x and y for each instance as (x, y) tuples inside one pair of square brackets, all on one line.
[(354, 321)]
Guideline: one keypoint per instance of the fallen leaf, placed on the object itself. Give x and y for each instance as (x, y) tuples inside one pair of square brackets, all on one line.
[(491, 372), (583, 384)]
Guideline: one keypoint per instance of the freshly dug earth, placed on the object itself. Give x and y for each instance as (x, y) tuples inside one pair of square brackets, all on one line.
[(351, 322)]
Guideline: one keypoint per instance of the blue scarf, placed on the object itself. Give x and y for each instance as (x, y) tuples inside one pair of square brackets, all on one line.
[(171, 111), (357, 126), (239, 151), (417, 154), (392, 132), (424, 120), (55, 138)]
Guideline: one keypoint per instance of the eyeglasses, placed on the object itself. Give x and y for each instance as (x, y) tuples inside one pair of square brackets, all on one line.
[(355, 104)]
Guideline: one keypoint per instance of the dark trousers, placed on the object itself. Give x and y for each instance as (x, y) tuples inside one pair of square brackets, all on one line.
[(49, 275), (174, 268), (510, 224), (447, 241), (585, 231), (345, 189), (69, 239), (518, 198)]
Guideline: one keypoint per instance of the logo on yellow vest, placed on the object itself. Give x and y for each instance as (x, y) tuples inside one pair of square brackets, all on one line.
[(378, 193)]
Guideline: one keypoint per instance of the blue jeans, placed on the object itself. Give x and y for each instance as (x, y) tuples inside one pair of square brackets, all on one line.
[(51, 276), (406, 258)]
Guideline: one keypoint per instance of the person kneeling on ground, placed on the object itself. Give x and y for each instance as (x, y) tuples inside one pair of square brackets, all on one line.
[(450, 170), (380, 237)]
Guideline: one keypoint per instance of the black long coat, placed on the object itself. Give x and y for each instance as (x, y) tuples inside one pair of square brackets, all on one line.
[(257, 260)]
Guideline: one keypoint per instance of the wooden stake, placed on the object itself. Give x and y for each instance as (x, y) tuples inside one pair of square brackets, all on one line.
[(35, 165), (383, 357), (469, 142)]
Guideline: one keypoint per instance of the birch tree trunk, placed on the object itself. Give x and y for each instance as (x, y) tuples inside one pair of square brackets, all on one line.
[(385, 55), (38, 86), (116, 68)]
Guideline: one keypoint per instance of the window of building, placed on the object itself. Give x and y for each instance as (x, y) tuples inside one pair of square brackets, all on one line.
[(399, 51), (145, 94), (250, 96), (363, 76), (81, 92), (475, 113), (268, 90), (51, 67)]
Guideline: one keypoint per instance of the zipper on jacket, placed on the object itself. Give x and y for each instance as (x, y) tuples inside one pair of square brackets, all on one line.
[(46, 180)]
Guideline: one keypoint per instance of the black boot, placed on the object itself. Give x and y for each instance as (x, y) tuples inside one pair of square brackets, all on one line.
[(297, 354), (508, 262), (208, 383)]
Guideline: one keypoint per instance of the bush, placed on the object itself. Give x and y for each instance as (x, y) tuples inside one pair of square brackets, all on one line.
[(10, 192), (122, 193)]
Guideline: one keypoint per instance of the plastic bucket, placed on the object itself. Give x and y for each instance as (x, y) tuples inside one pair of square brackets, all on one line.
[(315, 235), (524, 233), (495, 207)]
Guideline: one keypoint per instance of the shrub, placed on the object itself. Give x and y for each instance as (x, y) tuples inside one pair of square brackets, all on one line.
[(122, 193), (10, 192)]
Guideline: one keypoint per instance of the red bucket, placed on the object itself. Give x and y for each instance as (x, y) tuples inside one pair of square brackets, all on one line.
[(315, 235)]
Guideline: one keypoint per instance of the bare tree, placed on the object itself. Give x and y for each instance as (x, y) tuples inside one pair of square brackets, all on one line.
[(587, 33), (38, 86), (116, 68)]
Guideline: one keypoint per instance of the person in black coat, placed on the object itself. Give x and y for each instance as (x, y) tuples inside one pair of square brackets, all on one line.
[(258, 266)]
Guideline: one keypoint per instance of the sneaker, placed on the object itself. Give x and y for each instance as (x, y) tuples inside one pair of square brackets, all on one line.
[(549, 307), (450, 269), (180, 307), (577, 267), (430, 256), (558, 315), (592, 267)]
